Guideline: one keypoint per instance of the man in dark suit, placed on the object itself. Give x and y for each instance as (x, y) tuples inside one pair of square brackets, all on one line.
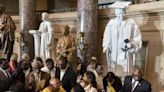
[(5, 76), (65, 74), (136, 83)]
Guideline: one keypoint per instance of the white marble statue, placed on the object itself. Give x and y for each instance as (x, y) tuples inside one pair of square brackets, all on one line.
[(43, 38), (121, 39)]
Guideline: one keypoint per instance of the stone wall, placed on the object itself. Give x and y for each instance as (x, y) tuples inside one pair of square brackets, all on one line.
[(12, 6)]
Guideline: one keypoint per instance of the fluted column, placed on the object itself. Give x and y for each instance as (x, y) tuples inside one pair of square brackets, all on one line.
[(27, 14), (87, 23)]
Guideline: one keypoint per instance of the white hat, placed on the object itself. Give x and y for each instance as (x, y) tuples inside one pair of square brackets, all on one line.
[(120, 4)]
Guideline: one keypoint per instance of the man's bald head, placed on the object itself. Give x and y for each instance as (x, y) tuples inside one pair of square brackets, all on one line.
[(55, 83)]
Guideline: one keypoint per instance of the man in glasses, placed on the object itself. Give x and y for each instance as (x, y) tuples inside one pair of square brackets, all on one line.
[(135, 82)]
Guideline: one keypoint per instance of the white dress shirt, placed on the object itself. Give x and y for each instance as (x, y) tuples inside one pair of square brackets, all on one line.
[(62, 72), (136, 83)]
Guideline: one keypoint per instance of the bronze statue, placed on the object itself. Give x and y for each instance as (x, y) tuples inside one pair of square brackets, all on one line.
[(66, 46), (7, 30)]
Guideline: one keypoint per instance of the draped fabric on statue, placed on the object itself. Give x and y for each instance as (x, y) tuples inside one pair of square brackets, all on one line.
[(8, 35), (67, 43), (113, 40), (46, 39), (67, 47)]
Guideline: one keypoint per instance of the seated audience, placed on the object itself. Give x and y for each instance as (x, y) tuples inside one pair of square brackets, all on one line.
[(39, 59), (112, 83), (49, 68), (80, 67), (37, 79), (65, 74), (92, 64), (97, 70), (25, 57), (77, 88), (18, 82), (5, 76), (13, 62), (17, 87), (23, 72), (99, 77), (54, 86), (18, 75), (135, 82), (25, 67), (89, 82)]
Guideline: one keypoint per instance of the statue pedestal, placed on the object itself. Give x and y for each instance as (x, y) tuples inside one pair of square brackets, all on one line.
[(37, 41)]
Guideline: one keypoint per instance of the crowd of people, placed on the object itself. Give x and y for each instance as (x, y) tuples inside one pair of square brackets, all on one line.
[(60, 76), (122, 38)]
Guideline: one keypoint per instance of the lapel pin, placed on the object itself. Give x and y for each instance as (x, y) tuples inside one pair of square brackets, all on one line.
[(139, 84)]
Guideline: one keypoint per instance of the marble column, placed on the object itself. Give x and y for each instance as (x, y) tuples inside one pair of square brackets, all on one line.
[(27, 12), (87, 24)]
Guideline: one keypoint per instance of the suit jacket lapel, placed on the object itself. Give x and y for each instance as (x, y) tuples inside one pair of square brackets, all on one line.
[(65, 74), (130, 84), (138, 85)]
